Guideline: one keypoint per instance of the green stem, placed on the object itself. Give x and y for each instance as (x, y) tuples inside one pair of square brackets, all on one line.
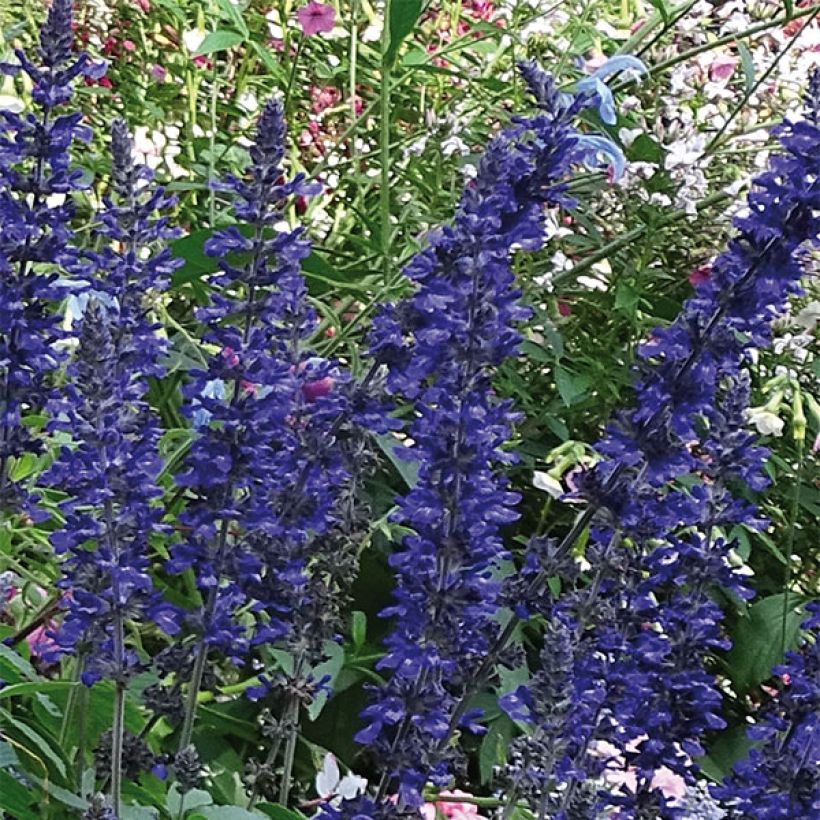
[(212, 146), (118, 639), (290, 750), (195, 683), (629, 238), (353, 56), (632, 44), (793, 513), (117, 732), (292, 75), (384, 148)]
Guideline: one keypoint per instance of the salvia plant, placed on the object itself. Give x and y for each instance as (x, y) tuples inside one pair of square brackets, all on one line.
[(262, 517)]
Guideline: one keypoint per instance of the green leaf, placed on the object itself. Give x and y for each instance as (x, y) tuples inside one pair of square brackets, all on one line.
[(627, 299), (408, 470), (220, 40), (217, 718), (13, 667), (8, 757), (571, 386), (768, 542), (197, 264), (748, 65), (138, 813), (229, 813), (64, 796), (358, 629), (278, 812), (402, 16), (728, 747), (100, 699), (493, 751), (20, 689), (331, 667), (757, 640), (645, 149), (15, 798), (193, 799), (44, 747), (234, 15), (49, 705), (536, 352), (660, 5)]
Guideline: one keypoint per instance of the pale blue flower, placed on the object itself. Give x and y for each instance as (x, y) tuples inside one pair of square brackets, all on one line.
[(595, 145), (595, 85), (214, 389)]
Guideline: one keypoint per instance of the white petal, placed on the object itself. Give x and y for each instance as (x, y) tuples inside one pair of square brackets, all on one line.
[(545, 482), (327, 780), (350, 786)]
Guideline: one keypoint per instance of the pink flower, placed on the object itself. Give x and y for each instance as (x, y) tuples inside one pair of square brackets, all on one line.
[(358, 104), (671, 784), (158, 72), (315, 18), (323, 98), (700, 275), (230, 357), (39, 642), (316, 389), (723, 67), (452, 810)]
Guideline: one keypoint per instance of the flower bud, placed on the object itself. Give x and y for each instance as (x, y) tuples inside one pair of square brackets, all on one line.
[(798, 418)]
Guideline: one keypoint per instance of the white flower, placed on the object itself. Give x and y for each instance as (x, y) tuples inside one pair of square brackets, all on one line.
[(372, 34), (592, 284), (454, 145), (330, 787), (248, 101), (9, 103), (545, 482), (628, 135), (193, 39), (809, 316), (766, 422), (684, 152)]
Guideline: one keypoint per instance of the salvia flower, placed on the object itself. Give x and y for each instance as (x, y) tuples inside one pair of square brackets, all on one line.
[(780, 778), (109, 470), (595, 85), (657, 544), (442, 345), (268, 478), (36, 183), (245, 395)]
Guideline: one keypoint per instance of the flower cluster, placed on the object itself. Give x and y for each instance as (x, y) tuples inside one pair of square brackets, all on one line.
[(442, 345), (662, 495), (781, 777), (36, 181), (109, 470), (269, 482), (242, 402)]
